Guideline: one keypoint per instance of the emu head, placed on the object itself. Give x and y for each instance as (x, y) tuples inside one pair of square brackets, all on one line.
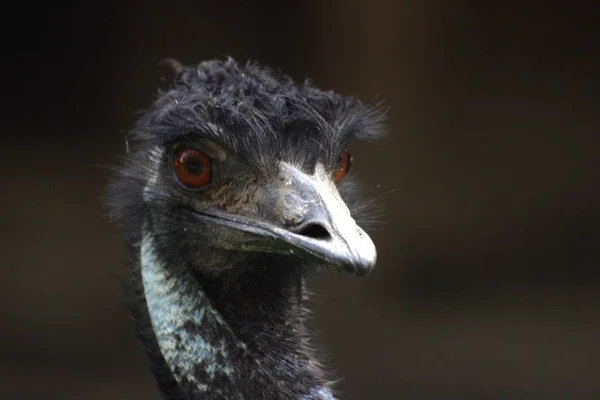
[(234, 162)]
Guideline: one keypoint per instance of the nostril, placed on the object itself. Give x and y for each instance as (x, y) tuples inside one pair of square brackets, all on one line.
[(314, 230)]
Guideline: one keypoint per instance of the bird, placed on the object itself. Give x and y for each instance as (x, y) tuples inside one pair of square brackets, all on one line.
[(232, 191)]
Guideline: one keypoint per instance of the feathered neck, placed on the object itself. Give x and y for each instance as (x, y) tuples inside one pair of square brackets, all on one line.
[(240, 339)]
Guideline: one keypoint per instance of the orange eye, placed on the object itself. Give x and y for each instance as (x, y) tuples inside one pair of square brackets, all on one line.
[(192, 168), (344, 167)]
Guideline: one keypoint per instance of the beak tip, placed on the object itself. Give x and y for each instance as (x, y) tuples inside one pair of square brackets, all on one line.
[(361, 266)]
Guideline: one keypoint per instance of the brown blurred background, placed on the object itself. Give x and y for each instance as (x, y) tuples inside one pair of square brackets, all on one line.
[(487, 282)]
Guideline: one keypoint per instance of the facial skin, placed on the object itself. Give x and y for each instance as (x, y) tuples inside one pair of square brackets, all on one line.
[(292, 211)]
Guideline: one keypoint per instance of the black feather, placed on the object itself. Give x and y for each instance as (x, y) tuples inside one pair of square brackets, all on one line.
[(264, 118)]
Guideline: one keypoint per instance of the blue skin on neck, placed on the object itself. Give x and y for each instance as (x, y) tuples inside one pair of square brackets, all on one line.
[(197, 344), (321, 393)]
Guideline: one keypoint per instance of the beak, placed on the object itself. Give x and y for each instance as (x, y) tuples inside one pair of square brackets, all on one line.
[(319, 222), (303, 214)]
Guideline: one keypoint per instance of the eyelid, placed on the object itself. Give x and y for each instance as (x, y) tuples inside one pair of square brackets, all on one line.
[(213, 150)]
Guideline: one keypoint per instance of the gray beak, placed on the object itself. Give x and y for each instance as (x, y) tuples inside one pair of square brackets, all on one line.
[(319, 222), (302, 214)]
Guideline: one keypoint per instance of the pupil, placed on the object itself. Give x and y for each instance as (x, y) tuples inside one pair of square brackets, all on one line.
[(194, 167)]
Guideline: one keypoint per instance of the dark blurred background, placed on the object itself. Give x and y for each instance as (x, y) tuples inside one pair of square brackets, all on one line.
[(487, 285)]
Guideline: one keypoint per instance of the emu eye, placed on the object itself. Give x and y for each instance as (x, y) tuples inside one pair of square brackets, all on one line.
[(192, 168), (345, 164)]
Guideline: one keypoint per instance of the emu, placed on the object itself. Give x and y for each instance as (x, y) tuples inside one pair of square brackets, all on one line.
[(232, 191)]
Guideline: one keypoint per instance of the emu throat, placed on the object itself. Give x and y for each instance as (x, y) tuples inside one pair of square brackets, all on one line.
[(178, 312), (212, 352)]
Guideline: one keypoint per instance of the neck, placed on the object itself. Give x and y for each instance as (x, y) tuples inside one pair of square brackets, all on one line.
[(234, 338)]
